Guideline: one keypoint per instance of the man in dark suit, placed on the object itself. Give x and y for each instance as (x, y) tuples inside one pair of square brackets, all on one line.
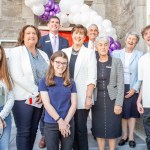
[(93, 33), (51, 43)]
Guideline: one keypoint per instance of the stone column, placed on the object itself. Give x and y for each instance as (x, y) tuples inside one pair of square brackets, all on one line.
[(140, 21), (0, 8)]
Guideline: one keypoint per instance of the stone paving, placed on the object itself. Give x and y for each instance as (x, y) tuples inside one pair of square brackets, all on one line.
[(92, 143)]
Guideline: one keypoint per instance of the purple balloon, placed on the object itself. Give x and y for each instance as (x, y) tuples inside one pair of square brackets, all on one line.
[(56, 8), (117, 43), (46, 14), (47, 8), (110, 51), (40, 16), (113, 47), (111, 40), (52, 13), (52, 6), (50, 3), (44, 17)]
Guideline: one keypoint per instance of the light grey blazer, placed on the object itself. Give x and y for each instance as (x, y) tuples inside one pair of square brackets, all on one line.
[(116, 82), (133, 66)]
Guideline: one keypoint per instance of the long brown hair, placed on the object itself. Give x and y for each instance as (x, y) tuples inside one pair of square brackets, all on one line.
[(4, 75), (51, 72), (22, 32)]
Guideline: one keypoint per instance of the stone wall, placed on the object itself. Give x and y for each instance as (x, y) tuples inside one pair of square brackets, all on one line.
[(13, 16)]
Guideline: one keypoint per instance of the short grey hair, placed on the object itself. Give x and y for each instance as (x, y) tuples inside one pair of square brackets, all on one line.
[(133, 33), (102, 38), (93, 25)]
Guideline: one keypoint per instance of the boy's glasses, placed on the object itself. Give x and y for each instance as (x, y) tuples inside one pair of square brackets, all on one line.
[(61, 63)]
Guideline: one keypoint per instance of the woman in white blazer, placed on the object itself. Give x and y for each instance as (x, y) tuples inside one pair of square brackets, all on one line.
[(27, 66), (82, 65)]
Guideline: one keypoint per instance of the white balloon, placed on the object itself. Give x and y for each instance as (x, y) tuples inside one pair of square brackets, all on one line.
[(114, 36), (70, 18), (78, 1), (111, 31), (102, 31), (63, 18), (75, 8), (73, 2), (28, 3), (76, 19), (38, 10), (107, 23), (84, 8), (58, 15), (97, 20), (92, 15), (88, 24), (34, 2), (44, 2), (84, 18), (65, 7)]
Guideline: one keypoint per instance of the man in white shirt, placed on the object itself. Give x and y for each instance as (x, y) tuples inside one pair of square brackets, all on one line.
[(93, 32), (143, 102)]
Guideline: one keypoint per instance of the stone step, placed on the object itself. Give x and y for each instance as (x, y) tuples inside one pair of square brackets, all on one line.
[(140, 144)]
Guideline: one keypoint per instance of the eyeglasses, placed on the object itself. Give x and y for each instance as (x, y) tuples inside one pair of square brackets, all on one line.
[(61, 63)]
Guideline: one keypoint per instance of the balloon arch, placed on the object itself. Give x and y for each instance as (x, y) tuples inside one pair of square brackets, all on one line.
[(74, 12)]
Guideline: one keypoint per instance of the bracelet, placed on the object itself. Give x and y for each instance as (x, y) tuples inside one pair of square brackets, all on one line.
[(89, 97), (58, 119)]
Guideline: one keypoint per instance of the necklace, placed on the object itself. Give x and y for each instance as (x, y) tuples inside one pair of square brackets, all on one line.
[(74, 52)]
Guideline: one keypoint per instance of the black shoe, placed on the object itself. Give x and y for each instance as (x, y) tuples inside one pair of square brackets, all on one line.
[(132, 144), (122, 142)]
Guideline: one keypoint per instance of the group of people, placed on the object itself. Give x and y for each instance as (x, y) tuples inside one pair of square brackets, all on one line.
[(69, 82)]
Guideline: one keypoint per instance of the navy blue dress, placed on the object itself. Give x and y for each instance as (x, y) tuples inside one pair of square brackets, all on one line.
[(105, 124)]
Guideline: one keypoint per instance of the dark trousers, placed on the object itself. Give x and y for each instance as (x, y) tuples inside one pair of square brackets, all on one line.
[(42, 123), (26, 119), (53, 136), (81, 138), (146, 122)]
